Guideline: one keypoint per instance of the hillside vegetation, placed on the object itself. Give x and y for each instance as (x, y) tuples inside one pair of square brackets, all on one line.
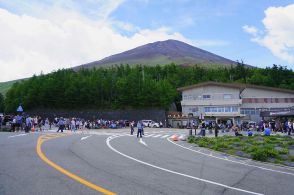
[(126, 87), (5, 86)]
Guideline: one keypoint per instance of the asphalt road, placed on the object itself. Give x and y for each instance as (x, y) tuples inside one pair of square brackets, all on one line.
[(112, 161)]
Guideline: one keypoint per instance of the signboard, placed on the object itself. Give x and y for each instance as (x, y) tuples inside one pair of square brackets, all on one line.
[(19, 109), (276, 113)]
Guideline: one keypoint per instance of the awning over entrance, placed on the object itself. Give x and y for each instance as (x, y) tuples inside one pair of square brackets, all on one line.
[(276, 113)]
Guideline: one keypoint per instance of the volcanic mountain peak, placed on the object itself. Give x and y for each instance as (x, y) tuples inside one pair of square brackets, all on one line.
[(162, 52)]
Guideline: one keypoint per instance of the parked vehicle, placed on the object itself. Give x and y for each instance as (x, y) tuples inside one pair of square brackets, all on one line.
[(150, 123), (7, 119)]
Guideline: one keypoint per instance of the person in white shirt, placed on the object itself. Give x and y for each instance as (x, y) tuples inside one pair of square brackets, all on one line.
[(73, 124)]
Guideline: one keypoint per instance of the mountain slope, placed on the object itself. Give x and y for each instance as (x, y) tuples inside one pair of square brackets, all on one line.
[(161, 52), (5, 86)]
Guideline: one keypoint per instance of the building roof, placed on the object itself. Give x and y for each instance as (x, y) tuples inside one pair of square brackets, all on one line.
[(235, 85), (211, 83)]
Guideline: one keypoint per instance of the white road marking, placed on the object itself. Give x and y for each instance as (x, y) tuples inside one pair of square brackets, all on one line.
[(165, 136), (177, 173), (157, 135), (233, 161), (23, 134), (149, 135), (142, 142), (83, 138)]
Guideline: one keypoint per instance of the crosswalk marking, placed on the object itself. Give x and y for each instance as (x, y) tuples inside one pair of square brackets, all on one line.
[(157, 135), (150, 135), (165, 136)]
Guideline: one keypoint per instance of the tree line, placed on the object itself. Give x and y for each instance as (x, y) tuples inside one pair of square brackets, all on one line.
[(123, 86)]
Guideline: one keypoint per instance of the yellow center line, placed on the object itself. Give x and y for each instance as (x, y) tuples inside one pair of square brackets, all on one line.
[(41, 140)]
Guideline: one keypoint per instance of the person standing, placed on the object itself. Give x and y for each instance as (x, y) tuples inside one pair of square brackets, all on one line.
[(290, 126), (140, 129), (203, 129), (216, 128), (160, 124), (132, 127), (47, 124), (40, 123), (60, 125), (73, 125), (28, 124), (78, 123)]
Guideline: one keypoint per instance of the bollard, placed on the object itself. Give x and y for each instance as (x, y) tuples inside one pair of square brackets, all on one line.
[(190, 132)]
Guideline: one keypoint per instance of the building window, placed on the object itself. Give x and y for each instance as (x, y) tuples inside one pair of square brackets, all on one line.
[(221, 109), (195, 109), (248, 111), (228, 96), (206, 97), (234, 109)]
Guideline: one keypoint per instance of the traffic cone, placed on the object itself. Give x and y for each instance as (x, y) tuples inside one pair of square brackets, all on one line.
[(174, 138), (33, 129)]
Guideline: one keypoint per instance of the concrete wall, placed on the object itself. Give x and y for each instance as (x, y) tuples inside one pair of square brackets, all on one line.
[(148, 114), (216, 92), (194, 98)]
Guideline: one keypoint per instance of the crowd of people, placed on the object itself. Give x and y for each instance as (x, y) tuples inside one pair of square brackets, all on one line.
[(267, 127), (37, 123)]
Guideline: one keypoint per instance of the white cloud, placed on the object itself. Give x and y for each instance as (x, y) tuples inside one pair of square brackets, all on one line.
[(126, 26), (279, 30), (62, 39), (251, 30)]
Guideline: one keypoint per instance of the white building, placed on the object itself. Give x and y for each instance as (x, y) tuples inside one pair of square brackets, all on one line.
[(223, 101)]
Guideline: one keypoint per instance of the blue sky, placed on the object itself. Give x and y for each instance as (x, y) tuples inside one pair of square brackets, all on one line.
[(219, 22), (47, 35)]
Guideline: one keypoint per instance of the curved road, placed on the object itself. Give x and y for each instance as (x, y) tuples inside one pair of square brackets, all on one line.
[(113, 162)]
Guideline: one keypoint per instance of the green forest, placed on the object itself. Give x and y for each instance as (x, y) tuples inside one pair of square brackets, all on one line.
[(123, 86)]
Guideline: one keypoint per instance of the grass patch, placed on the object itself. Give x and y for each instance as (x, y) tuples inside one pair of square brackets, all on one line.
[(258, 147)]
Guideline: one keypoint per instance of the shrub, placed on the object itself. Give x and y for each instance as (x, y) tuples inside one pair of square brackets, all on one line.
[(259, 154), (263, 153), (284, 151), (191, 139)]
